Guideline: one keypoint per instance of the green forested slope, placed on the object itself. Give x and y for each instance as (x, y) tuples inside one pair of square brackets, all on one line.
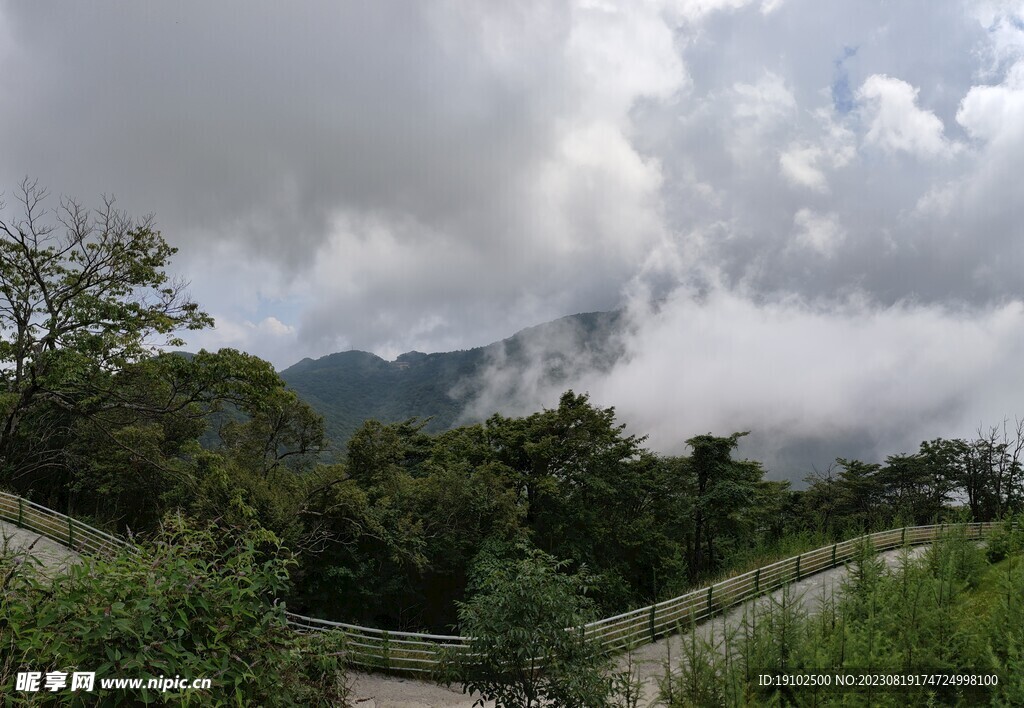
[(350, 387)]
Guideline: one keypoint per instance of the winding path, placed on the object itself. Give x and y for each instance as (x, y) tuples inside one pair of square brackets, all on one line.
[(369, 690), (649, 660), (382, 691)]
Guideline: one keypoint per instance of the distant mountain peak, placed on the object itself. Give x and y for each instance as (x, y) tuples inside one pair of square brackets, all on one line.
[(451, 388)]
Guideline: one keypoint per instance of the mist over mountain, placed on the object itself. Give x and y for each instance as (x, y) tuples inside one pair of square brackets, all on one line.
[(880, 383), (454, 388)]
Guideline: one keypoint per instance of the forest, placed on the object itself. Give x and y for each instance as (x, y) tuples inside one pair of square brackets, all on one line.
[(204, 453)]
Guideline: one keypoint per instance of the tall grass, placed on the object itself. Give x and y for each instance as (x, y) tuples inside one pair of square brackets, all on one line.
[(948, 609)]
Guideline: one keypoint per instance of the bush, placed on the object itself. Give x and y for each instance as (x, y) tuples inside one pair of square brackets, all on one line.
[(521, 654), (188, 605), (1004, 541)]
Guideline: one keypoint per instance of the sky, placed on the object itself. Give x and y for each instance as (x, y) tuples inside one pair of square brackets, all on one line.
[(811, 212)]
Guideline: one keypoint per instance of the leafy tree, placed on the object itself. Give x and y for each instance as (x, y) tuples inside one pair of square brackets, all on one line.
[(139, 455), (721, 490), (859, 493), (590, 493), (379, 454), (521, 654), (819, 501), (82, 295), (911, 490), (280, 431)]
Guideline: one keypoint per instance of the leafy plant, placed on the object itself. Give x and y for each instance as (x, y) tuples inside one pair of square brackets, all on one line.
[(190, 603), (522, 655)]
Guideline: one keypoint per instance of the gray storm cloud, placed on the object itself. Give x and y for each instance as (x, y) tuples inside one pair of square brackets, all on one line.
[(783, 177)]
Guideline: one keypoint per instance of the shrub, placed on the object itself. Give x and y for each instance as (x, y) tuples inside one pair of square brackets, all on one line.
[(521, 654), (190, 604)]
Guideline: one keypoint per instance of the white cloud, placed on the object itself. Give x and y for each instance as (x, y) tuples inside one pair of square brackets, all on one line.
[(938, 202), (619, 52), (787, 369), (821, 233), (897, 124), (995, 114), (1003, 22), (759, 111), (804, 163), (273, 339), (766, 103), (695, 10)]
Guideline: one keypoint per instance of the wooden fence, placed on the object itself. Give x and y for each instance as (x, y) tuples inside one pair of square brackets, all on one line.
[(420, 653)]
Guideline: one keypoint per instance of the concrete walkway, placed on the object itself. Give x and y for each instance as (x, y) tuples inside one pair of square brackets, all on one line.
[(648, 661), (376, 691), (381, 691), (19, 542)]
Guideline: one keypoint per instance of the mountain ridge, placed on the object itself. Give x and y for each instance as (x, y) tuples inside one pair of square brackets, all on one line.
[(349, 387)]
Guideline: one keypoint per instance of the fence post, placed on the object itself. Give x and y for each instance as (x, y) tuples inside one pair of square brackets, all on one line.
[(757, 581), (798, 568), (21, 513), (834, 554), (650, 623)]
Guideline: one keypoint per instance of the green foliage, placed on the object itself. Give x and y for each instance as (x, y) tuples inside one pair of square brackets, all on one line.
[(349, 388), (943, 610), (720, 491), (193, 603), (1005, 541), (521, 654), (81, 298)]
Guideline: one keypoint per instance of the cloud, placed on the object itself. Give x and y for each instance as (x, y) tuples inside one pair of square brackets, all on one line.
[(804, 164), (759, 111), (995, 114), (1003, 22), (274, 338), (821, 233), (811, 380), (789, 369), (436, 176), (896, 122)]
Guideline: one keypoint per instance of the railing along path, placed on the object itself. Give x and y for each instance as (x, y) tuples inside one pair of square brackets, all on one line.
[(420, 653)]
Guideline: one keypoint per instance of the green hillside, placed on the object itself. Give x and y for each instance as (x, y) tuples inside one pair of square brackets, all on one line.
[(350, 387)]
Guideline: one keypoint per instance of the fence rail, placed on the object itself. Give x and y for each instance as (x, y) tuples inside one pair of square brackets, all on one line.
[(420, 653)]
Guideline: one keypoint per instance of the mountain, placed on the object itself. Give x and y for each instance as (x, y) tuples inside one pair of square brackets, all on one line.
[(453, 388)]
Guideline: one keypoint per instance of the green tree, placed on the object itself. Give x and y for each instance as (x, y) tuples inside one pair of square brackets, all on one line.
[(521, 654), (590, 493), (82, 294), (721, 490), (138, 453), (859, 494)]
